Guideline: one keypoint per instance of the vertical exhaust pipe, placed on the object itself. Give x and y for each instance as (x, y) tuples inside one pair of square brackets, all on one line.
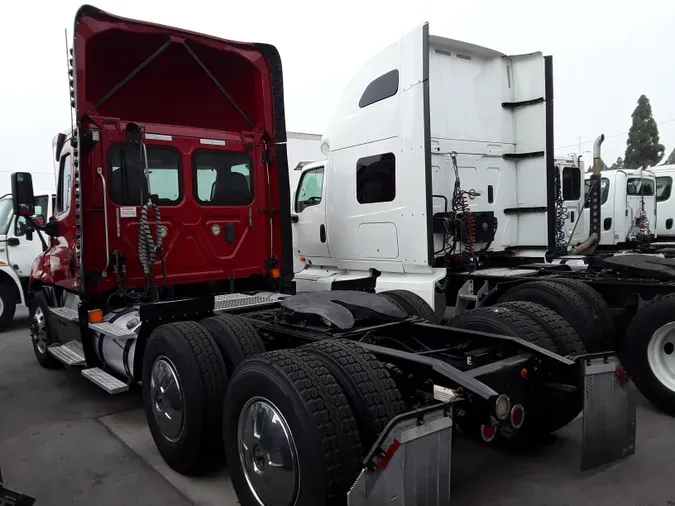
[(588, 246)]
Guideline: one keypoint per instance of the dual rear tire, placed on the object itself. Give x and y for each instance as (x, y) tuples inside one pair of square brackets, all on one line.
[(293, 425)]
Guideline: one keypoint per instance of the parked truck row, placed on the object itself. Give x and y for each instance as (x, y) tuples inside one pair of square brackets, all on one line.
[(437, 292)]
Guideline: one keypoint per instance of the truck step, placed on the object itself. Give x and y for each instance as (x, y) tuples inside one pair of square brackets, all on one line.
[(104, 380), (237, 300), (70, 353), (65, 312), (113, 331)]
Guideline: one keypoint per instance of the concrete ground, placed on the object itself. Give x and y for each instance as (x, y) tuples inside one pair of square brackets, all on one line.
[(64, 441)]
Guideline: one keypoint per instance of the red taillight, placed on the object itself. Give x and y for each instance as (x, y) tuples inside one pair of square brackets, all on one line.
[(488, 432), (523, 373), (621, 375), (388, 454), (517, 416)]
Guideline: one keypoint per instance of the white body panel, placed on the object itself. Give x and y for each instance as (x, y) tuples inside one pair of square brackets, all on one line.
[(665, 201), (389, 165), (621, 205)]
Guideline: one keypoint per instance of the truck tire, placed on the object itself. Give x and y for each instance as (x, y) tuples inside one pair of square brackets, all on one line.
[(184, 374), (504, 320), (649, 352), (314, 435), (544, 414), (598, 306), (7, 305), (236, 338), (40, 331), (411, 303), (566, 302), (365, 381), (563, 335)]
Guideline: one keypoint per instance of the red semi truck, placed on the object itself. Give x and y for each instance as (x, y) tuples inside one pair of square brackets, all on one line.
[(168, 264)]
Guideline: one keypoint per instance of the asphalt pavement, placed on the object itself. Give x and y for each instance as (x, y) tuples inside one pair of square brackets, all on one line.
[(65, 441)]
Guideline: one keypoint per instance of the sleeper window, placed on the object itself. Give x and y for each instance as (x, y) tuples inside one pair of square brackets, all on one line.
[(376, 179)]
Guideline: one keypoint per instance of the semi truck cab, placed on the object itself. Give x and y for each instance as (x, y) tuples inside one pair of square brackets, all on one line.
[(20, 246)]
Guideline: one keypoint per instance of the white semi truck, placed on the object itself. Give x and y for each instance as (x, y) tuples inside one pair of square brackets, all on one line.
[(20, 245), (440, 179)]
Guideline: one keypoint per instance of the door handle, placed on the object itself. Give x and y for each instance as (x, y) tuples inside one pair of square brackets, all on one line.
[(294, 218), (13, 241), (322, 233), (572, 216)]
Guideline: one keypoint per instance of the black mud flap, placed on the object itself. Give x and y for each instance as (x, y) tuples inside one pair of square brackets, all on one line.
[(409, 464), (609, 412)]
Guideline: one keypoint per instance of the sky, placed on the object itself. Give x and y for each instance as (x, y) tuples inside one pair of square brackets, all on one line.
[(605, 55)]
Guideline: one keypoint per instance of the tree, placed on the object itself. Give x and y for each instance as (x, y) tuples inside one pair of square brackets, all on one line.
[(618, 164), (671, 158), (643, 147)]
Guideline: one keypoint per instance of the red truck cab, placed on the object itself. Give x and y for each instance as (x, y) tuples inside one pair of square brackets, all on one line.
[(191, 127)]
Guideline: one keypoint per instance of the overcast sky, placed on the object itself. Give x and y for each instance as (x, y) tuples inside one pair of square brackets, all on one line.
[(606, 53)]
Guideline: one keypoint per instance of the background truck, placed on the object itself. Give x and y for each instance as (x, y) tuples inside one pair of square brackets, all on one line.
[(628, 205), (475, 210), (665, 202), (19, 247), (154, 279)]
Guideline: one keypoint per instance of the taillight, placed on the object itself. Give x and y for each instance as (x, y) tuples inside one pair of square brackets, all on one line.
[(488, 432), (517, 416)]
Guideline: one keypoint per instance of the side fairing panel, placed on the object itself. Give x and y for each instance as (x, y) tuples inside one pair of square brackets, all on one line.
[(378, 182)]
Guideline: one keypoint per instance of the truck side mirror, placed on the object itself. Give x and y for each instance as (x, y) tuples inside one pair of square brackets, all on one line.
[(22, 194)]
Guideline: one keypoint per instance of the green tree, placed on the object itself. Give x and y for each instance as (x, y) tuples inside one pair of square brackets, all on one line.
[(618, 164), (643, 147)]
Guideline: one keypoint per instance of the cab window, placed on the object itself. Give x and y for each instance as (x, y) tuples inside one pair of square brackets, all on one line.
[(222, 178), (664, 186), (604, 191), (127, 183), (64, 189), (640, 186), (571, 183), (310, 189)]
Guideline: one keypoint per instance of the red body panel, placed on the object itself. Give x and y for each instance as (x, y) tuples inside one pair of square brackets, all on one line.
[(162, 79)]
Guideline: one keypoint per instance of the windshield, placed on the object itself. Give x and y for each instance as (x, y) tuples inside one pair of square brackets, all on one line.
[(6, 214), (640, 186)]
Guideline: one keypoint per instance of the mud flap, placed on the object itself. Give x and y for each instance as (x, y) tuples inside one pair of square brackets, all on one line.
[(409, 464), (609, 412)]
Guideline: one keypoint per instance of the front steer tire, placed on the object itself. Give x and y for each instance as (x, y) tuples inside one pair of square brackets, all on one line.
[(202, 377), (316, 413), (41, 331)]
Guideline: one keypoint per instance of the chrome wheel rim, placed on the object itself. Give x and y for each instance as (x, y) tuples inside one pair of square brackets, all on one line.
[(39, 330), (661, 355), (167, 398), (268, 453)]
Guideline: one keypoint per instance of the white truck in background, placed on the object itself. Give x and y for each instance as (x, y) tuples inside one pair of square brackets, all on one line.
[(628, 206), (665, 202), (19, 247)]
